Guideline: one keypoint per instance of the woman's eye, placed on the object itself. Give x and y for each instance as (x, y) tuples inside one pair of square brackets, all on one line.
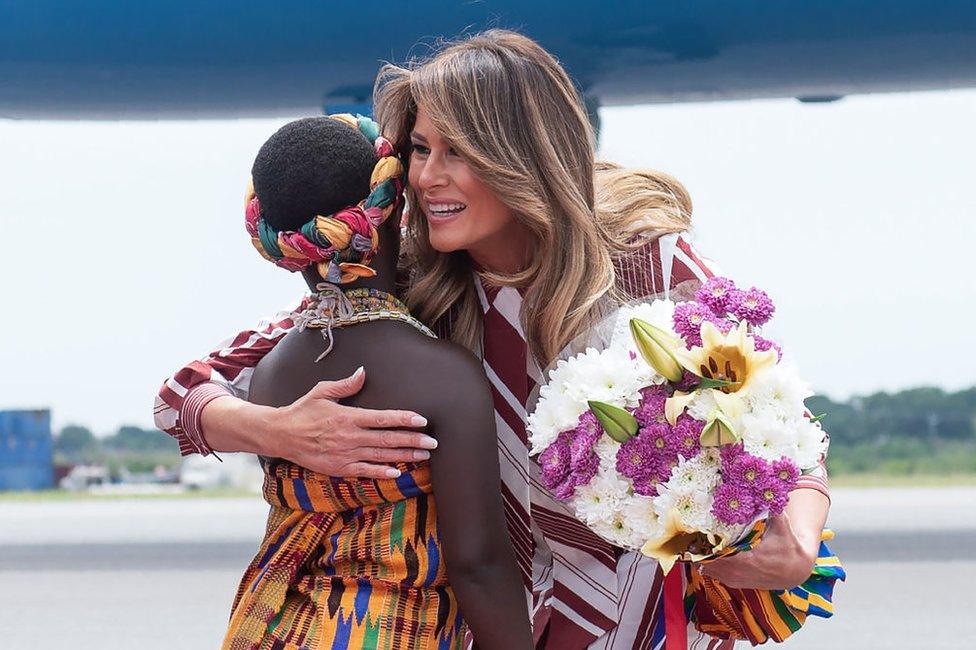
[(420, 149), (452, 152)]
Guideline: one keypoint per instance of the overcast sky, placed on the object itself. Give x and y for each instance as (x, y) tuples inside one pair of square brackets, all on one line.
[(125, 253)]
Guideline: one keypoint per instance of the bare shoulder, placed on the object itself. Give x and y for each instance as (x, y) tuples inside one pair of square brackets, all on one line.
[(442, 380)]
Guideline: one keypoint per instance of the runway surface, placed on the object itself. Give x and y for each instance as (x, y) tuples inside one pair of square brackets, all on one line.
[(162, 573)]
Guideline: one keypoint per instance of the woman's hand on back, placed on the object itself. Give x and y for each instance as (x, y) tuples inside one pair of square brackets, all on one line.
[(320, 434)]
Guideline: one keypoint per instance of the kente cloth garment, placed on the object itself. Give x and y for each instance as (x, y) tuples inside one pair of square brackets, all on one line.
[(760, 615), (583, 591), (346, 564)]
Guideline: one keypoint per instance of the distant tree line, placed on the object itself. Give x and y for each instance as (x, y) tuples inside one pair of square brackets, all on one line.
[(915, 431), (136, 449)]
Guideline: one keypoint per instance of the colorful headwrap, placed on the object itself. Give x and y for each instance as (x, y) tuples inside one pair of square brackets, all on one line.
[(343, 243)]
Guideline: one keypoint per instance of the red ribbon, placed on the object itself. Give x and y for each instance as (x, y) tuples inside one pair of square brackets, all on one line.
[(675, 623)]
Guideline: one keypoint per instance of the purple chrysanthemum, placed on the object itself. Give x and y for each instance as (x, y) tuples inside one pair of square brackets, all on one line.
[(688, 318), (718, 294), (733, 504), (651, 409), (572, 478), (554, 462), (749, 471), (786, 472), (773, 495), (728, 454), (686, 435), (724, 325), (658, 437), (564, 491), (636, 458), (588, 424), (689, 380), (584, 437), (645, 487), (755, 307), (762, 344), (584, 472), (665, 464)]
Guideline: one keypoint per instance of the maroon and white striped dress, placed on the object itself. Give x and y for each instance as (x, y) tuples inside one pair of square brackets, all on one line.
[(582, 591)]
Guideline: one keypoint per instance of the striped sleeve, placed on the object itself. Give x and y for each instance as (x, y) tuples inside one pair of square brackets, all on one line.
[(226, 370)]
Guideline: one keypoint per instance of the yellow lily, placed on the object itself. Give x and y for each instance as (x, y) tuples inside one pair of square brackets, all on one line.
[(730, 359), (680, 543)]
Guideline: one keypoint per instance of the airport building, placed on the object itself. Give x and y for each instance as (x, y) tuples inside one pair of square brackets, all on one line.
[(26, 450)]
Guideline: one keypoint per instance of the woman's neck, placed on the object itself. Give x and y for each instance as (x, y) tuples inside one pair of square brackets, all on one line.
[(507, 253)]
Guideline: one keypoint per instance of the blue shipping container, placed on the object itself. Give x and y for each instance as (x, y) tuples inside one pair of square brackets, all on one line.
[(26, 450)]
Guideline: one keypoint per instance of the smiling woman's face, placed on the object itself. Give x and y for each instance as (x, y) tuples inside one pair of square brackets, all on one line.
[(462, 212)]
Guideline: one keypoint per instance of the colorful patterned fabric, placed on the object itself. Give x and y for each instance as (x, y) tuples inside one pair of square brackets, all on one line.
[(758, 615), (340, 244), (346, 564), (582, 591)]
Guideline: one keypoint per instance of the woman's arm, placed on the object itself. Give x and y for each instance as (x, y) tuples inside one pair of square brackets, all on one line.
[(225, 371), (481, 564), (788, 550), (203, 406)]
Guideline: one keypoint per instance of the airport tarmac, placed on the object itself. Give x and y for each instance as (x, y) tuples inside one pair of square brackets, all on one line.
[(161, 573)]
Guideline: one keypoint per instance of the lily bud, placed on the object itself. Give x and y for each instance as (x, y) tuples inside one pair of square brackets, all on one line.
[(618, 423), (719, 431), (656, 346)]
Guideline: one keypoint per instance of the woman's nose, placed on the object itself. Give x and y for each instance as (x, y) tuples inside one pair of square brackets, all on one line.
[(433, 173)]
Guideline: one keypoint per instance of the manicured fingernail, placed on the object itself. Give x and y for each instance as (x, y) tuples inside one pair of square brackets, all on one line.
[(421, 455), (393, 473), (428, 443), (358, 372), (418, 421)]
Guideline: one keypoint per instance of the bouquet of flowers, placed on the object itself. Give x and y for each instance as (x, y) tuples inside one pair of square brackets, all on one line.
[(683, 432)]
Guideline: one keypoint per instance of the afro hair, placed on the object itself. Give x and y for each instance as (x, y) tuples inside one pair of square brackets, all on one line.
[(315, 165)]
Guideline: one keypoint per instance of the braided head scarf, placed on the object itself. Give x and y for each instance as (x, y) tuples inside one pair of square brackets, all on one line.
[(342, 243)]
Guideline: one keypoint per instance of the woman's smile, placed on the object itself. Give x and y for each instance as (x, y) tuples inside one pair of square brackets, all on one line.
[(441, 211)]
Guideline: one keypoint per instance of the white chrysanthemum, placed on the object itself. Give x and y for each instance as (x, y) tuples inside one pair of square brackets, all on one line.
[(767, 436), (780, 390), (692, 504), (642, 521), (606, 450), (553, 414), (620, 533), (698, 473), (610, 376), (810, 445), (710, 459), (702, 405), (659, 313), (597, 502)]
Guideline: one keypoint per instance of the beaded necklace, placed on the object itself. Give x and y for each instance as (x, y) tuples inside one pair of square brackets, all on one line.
[(337, 308)]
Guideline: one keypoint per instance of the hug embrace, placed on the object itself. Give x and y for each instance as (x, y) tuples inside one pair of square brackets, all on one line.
[(452, 250)]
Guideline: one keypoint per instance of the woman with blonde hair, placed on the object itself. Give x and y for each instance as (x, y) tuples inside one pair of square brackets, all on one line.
[(517, 242)]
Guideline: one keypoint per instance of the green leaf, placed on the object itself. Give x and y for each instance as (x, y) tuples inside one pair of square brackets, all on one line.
[(707, 382)]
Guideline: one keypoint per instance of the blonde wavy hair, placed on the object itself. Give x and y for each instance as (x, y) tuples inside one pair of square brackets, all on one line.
[(513, 114)]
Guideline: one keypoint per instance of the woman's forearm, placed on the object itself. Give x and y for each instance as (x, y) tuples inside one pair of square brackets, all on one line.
[(232, 424), (807, 512)]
